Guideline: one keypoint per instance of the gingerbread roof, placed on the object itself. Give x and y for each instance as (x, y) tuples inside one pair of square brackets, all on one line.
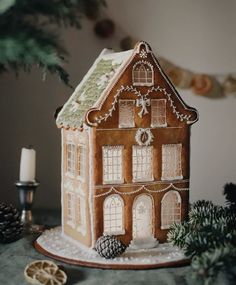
[(98, 82), (90, 89)]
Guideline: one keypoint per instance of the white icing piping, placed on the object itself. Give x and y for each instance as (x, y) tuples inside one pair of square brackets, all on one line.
[(175, 92), (178, 115), (62, 180), (113, 189), (91, 150)]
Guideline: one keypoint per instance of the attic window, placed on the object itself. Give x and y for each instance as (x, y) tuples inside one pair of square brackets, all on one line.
[(142, 74), (126, 113)]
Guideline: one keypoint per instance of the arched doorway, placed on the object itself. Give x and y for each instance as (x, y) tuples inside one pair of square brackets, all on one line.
[(143, 217)]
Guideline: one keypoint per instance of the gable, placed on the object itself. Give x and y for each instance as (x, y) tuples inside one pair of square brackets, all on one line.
[(141, 80), (95, 99)]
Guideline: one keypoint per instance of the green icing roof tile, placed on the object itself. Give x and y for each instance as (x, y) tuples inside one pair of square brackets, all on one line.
[(87, 93)]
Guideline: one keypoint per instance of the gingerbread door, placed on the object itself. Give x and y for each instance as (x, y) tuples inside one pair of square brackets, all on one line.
[(143, 217)]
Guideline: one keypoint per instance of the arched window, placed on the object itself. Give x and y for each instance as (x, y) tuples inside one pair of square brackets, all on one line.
[(170, 209), (113, 215), (142, 74)]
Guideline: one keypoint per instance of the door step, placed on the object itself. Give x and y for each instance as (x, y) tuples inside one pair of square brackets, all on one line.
[(143, 243)]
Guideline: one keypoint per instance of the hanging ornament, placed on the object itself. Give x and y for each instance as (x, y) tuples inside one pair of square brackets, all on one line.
[(127, 43), (104, 28), (144, 137), (230, 85), (143, 103), (205, 85)]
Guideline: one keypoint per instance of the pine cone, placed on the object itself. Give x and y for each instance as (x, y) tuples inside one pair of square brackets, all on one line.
[(109, 246), (10, 223)]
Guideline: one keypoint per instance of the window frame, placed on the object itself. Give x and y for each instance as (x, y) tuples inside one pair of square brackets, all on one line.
[(176, 162), (112, 214), (114, 164), (171, 212), (132, 123), (136, 159), (81, 161), (71, 159), (155, 113), (148, 74), (70, 207)]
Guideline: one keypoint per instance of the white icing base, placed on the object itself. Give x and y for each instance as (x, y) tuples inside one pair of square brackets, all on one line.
[(55, 243)]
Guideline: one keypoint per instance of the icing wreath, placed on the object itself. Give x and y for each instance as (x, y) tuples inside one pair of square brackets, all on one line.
[(144, 137)]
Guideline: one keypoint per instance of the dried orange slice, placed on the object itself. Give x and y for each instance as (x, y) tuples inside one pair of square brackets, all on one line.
[(44, 272)]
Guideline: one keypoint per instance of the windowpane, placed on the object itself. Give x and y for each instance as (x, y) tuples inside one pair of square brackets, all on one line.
[(171, 161), (170, 209), (158, 107), (143, 74), (113, 212), (70, 208), (70, 158), (126, 113), (81, 160), (142, 163), (112, 164)]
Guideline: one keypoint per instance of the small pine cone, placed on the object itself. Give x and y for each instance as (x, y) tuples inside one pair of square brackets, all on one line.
[(10, 223), (109, 246)]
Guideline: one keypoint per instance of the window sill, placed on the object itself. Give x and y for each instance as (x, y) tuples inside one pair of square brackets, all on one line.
[(171, 178), (113, 182), (115, 233), (143, 180)]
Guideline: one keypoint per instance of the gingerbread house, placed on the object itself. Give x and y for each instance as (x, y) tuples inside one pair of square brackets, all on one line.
[(125, 151)]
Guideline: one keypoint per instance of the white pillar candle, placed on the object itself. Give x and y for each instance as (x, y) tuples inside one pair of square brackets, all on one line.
[(27, 164)]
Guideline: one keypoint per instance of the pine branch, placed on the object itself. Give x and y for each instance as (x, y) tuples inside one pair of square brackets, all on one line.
[(25, 39)]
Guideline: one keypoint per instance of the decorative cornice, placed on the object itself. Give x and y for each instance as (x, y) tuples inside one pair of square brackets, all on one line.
[(143, 187)]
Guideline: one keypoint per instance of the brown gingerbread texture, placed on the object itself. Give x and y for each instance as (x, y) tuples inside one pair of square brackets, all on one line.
[(125, 152)]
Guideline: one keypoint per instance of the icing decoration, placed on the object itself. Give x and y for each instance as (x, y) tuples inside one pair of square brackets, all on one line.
[(142, 73), (170, 209), (180, 116), (55, 242), (143, 103), (144, 137), (143, 54), (143, 187)]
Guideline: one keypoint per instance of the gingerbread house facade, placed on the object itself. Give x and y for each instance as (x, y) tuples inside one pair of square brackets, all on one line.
[(125, 151)]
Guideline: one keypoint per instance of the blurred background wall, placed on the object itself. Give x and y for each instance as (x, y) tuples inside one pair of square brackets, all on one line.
[(198, 35)]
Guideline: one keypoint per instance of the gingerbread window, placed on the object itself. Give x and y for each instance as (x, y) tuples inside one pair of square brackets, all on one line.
[(142, 163), (112, 164), (170, 209), (171, 161), (158, 111), (126, 113), (70, 209), (81, 162), (70, 158), (80, 214), (142, 74), (113, 215)]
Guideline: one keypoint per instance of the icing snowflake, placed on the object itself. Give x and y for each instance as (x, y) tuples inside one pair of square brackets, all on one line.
[(143, 54)]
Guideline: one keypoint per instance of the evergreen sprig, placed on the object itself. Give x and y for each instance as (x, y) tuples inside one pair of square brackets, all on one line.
[(28, 37), (207, 237)]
